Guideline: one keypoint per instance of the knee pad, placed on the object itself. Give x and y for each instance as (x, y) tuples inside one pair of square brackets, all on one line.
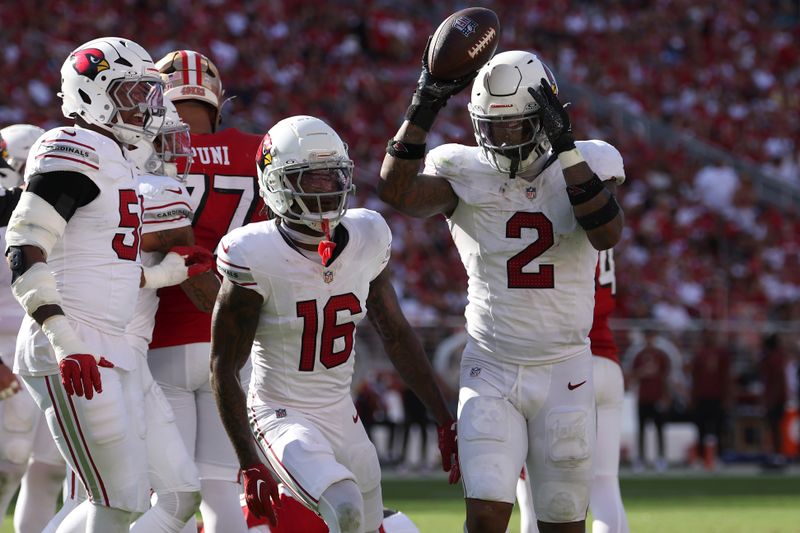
[(365, 466), (568, 440), (489, 462), (179, 505), (342, 507)]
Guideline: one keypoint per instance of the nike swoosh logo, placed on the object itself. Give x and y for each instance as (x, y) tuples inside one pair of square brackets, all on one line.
[(70, 133), (355, 418), (259, 482), (225, 248), (570, 386), (176, 191)]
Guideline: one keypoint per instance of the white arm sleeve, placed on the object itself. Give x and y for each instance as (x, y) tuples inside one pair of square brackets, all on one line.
[(35, 222)]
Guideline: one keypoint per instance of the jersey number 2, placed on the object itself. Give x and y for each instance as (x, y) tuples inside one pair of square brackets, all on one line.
[(331, 330), (517, 279), (129, 220)]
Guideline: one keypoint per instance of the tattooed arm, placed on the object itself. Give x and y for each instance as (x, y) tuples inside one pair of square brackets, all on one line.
[(413, 194), (403, 346), (233, 328), (202, 289)]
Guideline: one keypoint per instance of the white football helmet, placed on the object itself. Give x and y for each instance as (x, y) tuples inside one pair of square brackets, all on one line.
[(190, 75), (304, 172), (161, 155), (107, 76), (15, 143), (504, 114)]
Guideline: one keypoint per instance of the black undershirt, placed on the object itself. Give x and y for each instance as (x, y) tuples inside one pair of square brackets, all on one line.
[(65, 191)]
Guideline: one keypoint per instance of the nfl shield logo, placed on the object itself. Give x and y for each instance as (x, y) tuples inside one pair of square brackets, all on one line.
[(327, 276), (280, 413), (530, 192), (475, 371)]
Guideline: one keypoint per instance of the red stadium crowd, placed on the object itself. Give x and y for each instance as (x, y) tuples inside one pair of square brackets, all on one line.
[(726, 71)]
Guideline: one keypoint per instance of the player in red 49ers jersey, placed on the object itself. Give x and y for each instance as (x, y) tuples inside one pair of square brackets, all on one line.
[(223, 189)]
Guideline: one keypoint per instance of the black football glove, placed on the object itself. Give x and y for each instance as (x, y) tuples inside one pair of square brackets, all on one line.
[(554, 117), (432, 94)]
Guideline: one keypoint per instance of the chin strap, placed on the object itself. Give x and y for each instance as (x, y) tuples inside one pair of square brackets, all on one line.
[(512, 173), (326, 246)]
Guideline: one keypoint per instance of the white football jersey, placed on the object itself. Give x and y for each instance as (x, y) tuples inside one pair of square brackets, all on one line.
[(96, 261), (529, 263), (165, 206), (304, 345)]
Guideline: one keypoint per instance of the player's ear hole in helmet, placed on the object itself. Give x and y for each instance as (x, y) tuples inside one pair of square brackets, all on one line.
[(504, 115), (304, 172), (112, 83)]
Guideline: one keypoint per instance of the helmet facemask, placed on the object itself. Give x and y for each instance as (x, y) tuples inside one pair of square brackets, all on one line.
[(9, 177), (510, 142), (139, 109), (172, 145), (315, 194)]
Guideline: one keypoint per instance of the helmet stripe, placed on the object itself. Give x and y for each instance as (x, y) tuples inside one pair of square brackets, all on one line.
[(199, 69), (185, 69)]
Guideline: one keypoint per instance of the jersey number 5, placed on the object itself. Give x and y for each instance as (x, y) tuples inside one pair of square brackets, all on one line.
[(129, 220), (517, 279), (331, 330)]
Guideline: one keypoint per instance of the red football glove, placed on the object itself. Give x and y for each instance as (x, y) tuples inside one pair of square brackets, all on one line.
[(80, 375), (197, 258), (259, 487), (448, 447)]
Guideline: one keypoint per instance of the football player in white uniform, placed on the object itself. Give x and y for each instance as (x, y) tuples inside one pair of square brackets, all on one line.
[(166, 226), (73, 250), (527, 209), (296, 316), (25, 443)]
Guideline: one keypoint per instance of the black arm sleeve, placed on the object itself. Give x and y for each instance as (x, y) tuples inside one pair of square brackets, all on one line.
[(9, 198), (65, 191)]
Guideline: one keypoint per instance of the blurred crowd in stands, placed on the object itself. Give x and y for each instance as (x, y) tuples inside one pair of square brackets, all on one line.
[(698, 243)]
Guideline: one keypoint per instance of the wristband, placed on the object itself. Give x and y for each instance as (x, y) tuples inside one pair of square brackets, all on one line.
[(601, 216), (172, 270), (62, 337), (404, 150), (570, 158), (583, 192), (422, 115)]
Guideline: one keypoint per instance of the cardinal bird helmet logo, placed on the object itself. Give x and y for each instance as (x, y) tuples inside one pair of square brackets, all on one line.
[(89, 62)]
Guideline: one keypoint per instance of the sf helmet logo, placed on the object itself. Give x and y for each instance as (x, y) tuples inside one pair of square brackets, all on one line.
[(89, 62)]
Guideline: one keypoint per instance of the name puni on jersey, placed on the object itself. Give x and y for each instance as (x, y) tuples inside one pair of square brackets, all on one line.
[(530, 265)]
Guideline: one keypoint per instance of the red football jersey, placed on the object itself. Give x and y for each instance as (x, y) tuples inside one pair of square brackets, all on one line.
[(600, 337), (223, 187)]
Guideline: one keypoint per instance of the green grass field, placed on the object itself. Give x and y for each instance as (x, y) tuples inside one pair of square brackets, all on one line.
[(683, 504)]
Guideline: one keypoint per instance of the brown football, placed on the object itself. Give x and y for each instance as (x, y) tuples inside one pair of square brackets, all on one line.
[(463, 43)]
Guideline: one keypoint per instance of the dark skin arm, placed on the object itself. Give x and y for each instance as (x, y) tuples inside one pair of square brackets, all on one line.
[(404, 188), (403, 346), (201, 290), (607, 235), (233, 328)]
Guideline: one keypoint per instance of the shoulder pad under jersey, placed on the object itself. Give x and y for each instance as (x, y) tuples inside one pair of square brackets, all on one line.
[(232, 261), (370, 230), (70, 149), (603, 158), (165, 202)]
